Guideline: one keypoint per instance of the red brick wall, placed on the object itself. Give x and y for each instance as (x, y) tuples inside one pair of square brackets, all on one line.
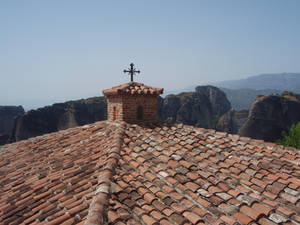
[(114, 101), (127, 105), (132, 102)]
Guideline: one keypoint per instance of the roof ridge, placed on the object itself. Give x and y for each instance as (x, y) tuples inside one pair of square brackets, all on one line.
[(148, 173), (97, 213), (133, 88)]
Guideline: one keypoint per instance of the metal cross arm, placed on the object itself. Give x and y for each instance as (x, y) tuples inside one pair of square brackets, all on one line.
[(132, 71)]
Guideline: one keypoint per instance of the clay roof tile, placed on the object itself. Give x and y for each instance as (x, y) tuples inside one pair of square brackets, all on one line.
[(150, 174), (133, 88)]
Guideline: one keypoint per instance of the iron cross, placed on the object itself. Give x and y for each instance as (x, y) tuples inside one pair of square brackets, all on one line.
[(131, 71)]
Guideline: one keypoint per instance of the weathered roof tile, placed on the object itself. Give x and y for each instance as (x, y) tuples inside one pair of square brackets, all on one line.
[(164, 174), (133, 88)]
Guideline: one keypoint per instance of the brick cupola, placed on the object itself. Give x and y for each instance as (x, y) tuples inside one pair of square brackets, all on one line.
[(132, 102)]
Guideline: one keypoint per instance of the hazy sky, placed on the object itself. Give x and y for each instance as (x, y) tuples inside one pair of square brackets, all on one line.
[(58, 50)]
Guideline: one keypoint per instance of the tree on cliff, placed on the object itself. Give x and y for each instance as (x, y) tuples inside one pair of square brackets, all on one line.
[(293, 138)]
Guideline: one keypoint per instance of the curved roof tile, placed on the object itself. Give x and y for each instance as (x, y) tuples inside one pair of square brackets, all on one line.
[(119, 173), (133, 88)]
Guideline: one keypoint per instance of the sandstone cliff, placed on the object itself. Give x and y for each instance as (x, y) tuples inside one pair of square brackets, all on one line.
[(242, 99), (59, 116), (207, 107), (270, 115), (8, 115), (232, 121), (201, 108)]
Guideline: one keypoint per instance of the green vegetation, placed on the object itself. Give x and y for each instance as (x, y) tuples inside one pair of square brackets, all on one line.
[(293, 138)]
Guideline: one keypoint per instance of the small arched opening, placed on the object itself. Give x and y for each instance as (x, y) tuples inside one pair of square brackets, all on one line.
[(140, 113), (115, 115)]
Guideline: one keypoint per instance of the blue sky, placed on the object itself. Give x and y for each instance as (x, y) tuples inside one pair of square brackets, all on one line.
[(53, 51)]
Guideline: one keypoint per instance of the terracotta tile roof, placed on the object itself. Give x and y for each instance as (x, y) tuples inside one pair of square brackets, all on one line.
[(53, 178), (133, 88), (111, 173)]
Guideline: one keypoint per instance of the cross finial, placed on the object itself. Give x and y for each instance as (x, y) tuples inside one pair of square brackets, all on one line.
[(131, 71)]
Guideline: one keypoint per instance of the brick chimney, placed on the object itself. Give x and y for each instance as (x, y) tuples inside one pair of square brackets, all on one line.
[(132, 102)]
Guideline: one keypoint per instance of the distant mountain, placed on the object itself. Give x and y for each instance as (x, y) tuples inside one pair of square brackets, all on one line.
[(242, 98), (282, 82)]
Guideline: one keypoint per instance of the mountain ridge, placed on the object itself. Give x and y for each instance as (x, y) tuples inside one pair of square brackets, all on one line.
[(277, 81)]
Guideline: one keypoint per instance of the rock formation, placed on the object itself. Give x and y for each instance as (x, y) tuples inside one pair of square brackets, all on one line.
[(270, 115), (207, 107), (201, 108), (7, 120), (4, 139), (232, 121), (59, 116), (241, 99)]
